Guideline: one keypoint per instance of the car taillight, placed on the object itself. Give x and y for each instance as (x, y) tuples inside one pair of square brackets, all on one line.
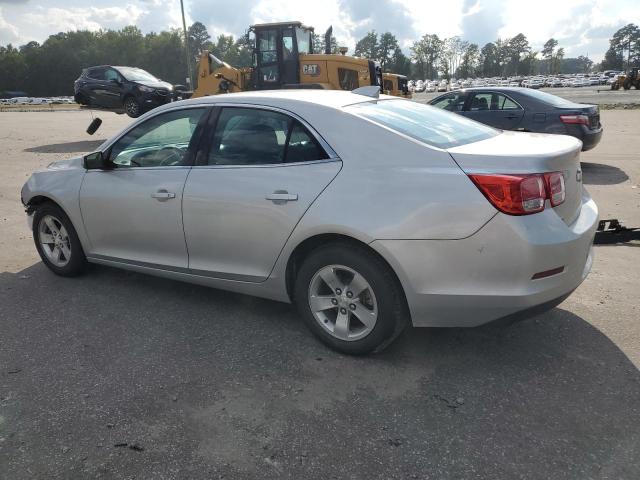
[(575, 119), (521, 194), (555, 187)]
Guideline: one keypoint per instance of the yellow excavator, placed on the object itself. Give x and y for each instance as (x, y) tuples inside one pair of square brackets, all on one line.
[(283, 58)]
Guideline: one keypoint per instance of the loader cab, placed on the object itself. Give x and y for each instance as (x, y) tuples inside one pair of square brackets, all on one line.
[(277, 47)]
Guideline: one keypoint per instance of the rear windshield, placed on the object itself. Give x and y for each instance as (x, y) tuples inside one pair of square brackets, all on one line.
[(550, 99), (427, 124)]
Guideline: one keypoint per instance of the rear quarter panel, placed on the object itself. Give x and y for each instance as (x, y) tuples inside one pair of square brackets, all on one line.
[(391, 187)]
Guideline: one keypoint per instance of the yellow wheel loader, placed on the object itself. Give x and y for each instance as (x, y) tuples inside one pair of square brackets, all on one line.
[(283, 58)]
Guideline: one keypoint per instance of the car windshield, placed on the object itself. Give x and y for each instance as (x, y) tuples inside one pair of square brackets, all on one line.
[(136, 75), (550, 99), (427, 124)]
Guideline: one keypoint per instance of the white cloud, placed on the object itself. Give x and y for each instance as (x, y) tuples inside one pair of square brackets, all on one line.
[(581, 26), (8, 32)]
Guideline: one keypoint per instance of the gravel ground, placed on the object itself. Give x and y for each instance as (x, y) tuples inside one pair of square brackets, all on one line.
[(118, 375)]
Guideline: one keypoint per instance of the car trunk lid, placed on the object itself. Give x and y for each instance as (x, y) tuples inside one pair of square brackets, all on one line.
[(528, 153)]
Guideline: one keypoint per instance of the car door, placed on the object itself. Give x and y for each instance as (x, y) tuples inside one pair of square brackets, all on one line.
[(494, 109), (261, 171), (113, 88), (132, 212)]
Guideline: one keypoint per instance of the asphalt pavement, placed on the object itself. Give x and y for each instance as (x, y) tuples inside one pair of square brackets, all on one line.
[(117, 375)]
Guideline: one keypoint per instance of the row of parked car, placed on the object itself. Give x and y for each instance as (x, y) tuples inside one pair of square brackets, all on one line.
[(36, 100), (537, 81)]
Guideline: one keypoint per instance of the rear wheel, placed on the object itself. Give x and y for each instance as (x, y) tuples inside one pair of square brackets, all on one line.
[(132, 107), (57, 241), (350, 299)]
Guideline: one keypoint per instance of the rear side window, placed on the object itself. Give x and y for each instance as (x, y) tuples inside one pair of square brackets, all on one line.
[(251, 136), (430, 125)]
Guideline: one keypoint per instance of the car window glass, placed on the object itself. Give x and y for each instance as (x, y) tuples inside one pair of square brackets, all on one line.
[(160, 141), (302, 146), (423, 123), (250, 136), (111, 74), (480, 101), (96, 73), (452, 102), (247, 136), (507, 104)]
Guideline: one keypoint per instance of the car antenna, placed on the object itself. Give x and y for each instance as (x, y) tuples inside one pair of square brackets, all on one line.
[(372, 91)]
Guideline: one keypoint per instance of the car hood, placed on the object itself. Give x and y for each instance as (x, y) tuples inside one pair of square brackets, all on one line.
[(68, 164), (158, 84)]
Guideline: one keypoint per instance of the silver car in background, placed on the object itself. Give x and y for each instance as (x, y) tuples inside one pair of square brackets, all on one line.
[(368, 213)]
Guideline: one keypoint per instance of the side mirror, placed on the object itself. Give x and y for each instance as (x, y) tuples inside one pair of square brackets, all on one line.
[(97, 161)]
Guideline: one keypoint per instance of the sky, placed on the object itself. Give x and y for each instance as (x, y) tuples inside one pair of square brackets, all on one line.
[(582, 27)]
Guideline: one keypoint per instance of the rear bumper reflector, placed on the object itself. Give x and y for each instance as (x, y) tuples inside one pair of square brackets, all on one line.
[(547, 273)]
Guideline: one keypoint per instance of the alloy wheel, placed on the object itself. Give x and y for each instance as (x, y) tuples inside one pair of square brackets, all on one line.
[(343, 302), (54, 240), (132, 107)]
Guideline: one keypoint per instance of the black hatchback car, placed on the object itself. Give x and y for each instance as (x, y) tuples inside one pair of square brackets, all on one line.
[(527, 110), (129, 88)]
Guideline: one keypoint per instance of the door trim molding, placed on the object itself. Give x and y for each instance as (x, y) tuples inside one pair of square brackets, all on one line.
[(121, 262)]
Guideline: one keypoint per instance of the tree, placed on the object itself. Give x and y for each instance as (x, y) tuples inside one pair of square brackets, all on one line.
[(627, 39), (557, 60), (470, 63), (387, 47), (399, 63), (547, 52), (319, 44), (425, 53), (198, 38), (367, 47), (490, 60), (517, 47)]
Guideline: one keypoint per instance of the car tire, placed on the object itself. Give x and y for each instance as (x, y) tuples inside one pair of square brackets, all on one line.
[(57, 241), (132, 107), (381, 303)]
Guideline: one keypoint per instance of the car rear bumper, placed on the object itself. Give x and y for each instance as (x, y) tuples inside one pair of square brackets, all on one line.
[(488, 276), (590, 138)]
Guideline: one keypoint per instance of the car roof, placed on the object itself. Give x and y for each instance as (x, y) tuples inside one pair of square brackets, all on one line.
[(279, 98)]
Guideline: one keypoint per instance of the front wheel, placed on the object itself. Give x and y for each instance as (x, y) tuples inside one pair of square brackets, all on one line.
[(57, 241), (350, 299), (132, 107)]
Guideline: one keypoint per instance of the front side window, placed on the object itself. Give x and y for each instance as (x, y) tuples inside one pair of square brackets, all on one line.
[(96, 73), (453, 102), (248, 136), (111, 74), (161, 141), (426, 124), (348, 79)]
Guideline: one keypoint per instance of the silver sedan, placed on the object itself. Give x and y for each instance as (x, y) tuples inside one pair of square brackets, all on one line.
[(369, 213)]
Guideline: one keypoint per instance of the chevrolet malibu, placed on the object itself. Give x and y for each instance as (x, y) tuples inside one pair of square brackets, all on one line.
[(368, 212)]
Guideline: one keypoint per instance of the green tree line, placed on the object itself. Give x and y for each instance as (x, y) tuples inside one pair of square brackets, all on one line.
[(50, 68)]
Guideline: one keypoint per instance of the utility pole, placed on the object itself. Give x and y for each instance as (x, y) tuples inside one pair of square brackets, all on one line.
[(186, 46)]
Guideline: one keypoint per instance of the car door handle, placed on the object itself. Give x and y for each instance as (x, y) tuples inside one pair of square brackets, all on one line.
[(511, 117), (163, 195), (282, 196)]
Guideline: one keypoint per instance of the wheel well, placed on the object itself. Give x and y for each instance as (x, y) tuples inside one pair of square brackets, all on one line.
[(310, 244), (38, 200)]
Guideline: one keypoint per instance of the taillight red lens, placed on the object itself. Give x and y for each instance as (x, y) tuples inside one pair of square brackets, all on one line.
[(521, 194), (555, 188), (513, 194), (575, 119)]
